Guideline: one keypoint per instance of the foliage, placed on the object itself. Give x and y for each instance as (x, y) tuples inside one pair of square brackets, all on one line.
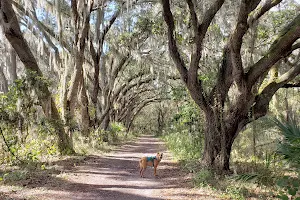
[(289, 148), (117, 130), (262, 132), (184, 137), (204, 177), (91, 144), (261, 176), (94, 142), (15, 176), (26, 133), (183, 145), (236, 192), (288, 186)]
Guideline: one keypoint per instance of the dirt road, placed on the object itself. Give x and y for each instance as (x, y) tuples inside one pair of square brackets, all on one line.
[(112, 176)]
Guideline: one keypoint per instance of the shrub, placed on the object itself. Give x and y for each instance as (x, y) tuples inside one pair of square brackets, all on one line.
[(289, 148), (183, 145), (204, 177)]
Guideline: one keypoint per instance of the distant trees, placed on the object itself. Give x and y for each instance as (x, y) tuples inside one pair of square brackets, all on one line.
[(96, 57)]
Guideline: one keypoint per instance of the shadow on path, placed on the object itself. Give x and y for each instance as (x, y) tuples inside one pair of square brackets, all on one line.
[(112, 176)]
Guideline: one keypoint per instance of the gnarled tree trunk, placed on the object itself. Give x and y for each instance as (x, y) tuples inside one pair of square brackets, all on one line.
[(223, 123)]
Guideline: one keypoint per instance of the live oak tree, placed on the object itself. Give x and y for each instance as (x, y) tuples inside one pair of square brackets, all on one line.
[(12, 32), (226, 116)]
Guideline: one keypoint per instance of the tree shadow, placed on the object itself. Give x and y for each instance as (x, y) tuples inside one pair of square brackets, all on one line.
[(114, 176)]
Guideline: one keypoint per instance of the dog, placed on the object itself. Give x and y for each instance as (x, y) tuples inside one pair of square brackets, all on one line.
[(150, 161)]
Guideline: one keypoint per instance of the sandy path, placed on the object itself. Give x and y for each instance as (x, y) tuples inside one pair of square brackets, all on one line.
[(115, 176)]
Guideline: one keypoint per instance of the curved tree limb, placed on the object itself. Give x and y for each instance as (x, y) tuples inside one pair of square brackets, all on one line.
[(262, 10), (262, 100), (279, 49), (179, 63), (46, 31)]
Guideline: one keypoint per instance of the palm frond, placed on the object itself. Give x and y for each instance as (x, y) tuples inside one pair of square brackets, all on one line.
[(289, 147)]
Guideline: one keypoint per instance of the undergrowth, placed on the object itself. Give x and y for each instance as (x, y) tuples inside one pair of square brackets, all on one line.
[(183, 146), (254, 178), (39, 148)]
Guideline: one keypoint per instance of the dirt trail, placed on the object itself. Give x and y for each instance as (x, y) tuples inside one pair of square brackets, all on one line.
[(113, 176)]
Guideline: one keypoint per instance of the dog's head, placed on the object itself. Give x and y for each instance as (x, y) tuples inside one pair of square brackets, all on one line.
[(159, 156)]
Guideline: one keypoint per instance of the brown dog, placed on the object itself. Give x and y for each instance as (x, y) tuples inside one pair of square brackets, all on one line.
[(150, 161)]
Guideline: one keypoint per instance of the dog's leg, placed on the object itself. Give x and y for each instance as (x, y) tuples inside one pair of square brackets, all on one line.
[(142, 172), (141, 167), (155, 171)]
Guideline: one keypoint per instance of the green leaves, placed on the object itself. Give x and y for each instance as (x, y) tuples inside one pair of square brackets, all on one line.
[(283, 182), (283, 197), (246, 177), (292, 191), (289, 147), (288, 185)]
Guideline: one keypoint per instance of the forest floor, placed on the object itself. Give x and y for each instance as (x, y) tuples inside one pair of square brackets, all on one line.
[(110, 176)]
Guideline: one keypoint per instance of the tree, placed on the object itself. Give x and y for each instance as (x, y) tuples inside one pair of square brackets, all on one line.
[(11, 28), (227, 116)]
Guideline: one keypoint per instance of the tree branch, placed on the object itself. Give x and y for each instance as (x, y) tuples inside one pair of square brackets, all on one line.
[(236, 40), (262, 10), (291, 85), (199, 34), (46, 31), (174, 52), (279, 49), (262, 100)]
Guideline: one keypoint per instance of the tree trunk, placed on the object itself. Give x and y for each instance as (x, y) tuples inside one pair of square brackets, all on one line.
[(64, 94), (105, 122), (3, 81), (288, 109), (105, 126), (13, 68), (95, 90), (254, 130), (160, 120), (219, 137), (77, 81), (84, 105)]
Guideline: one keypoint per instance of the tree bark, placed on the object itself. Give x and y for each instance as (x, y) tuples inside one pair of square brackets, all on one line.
[(4, 82), (13, 68)]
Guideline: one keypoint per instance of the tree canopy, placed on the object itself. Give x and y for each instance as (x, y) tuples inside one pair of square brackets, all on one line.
[(90, 63)]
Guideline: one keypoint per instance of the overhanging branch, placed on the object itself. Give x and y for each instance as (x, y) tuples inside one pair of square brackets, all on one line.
[(174, 52), (262, 10), (279, 49), (262, 100), (291, 85)]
